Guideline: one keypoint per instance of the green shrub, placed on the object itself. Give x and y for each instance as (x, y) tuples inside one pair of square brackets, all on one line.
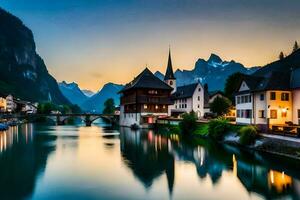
[(202, 130), (248, 135), (188, 124), (218, 128), (174, 129)]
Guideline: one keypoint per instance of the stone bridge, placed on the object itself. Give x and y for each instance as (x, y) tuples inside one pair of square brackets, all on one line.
[(61, 119)]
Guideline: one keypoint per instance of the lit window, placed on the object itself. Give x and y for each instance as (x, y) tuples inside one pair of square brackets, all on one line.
[(145, 106), (261, 114), (273, 114)]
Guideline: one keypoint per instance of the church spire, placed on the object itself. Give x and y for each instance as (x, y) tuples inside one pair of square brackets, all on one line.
[(169, 72)]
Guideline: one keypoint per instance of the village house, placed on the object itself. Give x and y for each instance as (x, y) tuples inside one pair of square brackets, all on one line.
[(188, 98), (2, 104), (268, 101), (144, 100), (10, 104)]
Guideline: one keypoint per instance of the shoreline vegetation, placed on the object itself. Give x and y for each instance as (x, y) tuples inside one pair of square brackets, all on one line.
[(221, 131)]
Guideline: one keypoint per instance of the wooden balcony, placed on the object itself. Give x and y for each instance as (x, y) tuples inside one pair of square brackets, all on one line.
[(146, 99)]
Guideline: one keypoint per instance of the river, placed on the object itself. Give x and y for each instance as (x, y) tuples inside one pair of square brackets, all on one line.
[(78, 162)]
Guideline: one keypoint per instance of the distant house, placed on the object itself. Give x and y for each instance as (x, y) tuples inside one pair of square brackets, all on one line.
[(213, 95), (26, 107), (144, 100), (2, 104), (269, 100), (10, 104)]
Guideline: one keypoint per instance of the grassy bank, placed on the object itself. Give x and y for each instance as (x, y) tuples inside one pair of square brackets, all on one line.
[(241, 136)]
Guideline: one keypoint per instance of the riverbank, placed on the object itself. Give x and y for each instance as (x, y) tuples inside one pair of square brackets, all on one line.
[(279, 146)]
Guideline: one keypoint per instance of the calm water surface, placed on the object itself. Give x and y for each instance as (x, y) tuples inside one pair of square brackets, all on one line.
[(77, 162)]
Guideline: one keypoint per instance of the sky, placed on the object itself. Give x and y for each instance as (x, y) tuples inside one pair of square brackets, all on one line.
[(92, 42)]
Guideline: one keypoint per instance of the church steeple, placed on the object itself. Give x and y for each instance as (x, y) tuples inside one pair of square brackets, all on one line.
[(169, 76), (169, 72)]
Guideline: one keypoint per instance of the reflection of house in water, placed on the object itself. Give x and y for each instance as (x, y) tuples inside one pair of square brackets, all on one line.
[(22, 159), (269, 183), (148, 156)]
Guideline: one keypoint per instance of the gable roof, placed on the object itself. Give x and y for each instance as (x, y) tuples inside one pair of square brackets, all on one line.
[(185, 91), (169, 72), (146, 79), (213, 93)]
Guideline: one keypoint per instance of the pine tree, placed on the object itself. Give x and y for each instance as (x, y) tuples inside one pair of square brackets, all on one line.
[(296, 47), (281, 56)]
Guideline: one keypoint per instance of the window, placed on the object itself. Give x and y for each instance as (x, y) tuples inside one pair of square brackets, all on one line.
[(283, 114), (273, 96), (238, 113), (299, 114), (238, 100), (285, 96), (145, 106), (261, 114), (152, 91), (198, 98), (171, 82), (198, 106), (248, 114), (273, 114), (199, 89), (262, 97)]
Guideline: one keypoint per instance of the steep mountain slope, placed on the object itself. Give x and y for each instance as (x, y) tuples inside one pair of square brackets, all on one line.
[(88, 93), (291, 61), (23, 72), (95, 103), (213, 71), (72, 92)]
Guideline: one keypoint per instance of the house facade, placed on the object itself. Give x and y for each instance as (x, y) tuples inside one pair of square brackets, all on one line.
[(10, 104), (188, 98), (267, 101), (2, 104), (144, 100)]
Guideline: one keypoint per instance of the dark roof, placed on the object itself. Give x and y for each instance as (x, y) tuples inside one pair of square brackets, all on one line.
[(274, 80), (146, 79), (169, 72), (295, 78), (185, 91), (213, 93)]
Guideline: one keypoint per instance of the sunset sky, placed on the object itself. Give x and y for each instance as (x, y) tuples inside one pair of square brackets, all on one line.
[(93, 42)]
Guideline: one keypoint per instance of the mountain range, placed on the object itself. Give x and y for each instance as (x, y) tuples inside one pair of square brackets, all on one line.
[(23, 72), (88, 102), (213, 71), (72, 92)]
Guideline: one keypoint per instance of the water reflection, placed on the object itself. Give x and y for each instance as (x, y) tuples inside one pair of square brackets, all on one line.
[(150, 156), (23, 158), (73, 162)]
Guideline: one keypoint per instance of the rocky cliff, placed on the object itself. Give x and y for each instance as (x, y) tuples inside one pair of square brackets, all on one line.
[(23, 71)]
